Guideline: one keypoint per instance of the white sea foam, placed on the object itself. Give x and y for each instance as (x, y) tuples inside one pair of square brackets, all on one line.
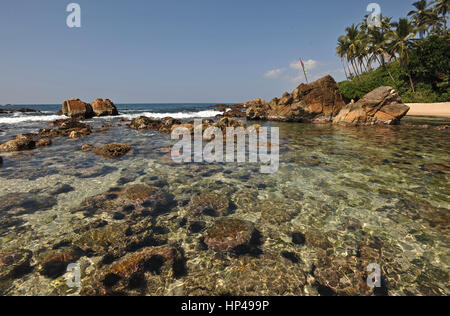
[(33, 118), (178, 115)]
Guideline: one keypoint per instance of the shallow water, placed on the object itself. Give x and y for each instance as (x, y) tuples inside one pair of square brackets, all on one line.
[(345, 189)]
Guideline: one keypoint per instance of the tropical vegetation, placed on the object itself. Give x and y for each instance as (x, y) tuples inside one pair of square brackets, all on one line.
[(411, 54)]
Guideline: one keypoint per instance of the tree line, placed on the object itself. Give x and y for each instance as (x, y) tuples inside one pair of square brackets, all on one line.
[(365, 47)]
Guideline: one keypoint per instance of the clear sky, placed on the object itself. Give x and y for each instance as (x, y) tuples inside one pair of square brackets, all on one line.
[(145, 51)]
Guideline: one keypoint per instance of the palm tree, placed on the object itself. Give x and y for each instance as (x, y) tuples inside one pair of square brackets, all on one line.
[(421, 16), (442, 7), (402, 42), (342, 50), (353, 49), (379, 42)]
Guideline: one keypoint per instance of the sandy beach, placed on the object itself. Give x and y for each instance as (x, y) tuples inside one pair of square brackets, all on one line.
[(430, 109)]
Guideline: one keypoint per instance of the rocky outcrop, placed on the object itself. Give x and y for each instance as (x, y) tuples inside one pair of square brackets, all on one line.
[(381, 106), (67, 128), (317, 102), (164, 126), (75, 108), (20, 143), (104, 108), (112, 150)]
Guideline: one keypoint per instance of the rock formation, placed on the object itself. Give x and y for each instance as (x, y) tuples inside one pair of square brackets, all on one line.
[(381, 106), (104, 108), (317, 102), (75, 108)]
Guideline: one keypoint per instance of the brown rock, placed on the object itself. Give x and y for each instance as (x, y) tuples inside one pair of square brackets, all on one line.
[(75, 108), (43, 142), (381, 106), (20, 143), (112, 150), (104, 108), (86, 147), (319, 101), (228, 233)]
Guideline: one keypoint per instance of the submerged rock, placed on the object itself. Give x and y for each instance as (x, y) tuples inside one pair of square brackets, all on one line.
[(54, 263), (265, 275), (14, 263), (25, 203), (381, 106), (112, 150), (228, 233), (145, 272), (319, 101), (211, 204)]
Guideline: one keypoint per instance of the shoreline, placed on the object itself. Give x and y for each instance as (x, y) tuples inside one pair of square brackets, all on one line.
[(429, 109)]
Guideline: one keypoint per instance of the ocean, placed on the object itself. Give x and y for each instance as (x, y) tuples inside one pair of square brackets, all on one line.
[(343, 200)]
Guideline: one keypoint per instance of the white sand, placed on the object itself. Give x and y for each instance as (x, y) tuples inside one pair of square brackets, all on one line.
[(429, 109)]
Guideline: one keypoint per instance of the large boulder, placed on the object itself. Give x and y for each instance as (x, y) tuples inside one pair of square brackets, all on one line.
[(20, 143), (381, 106), (317, 102), (104, 108), (75, 108)]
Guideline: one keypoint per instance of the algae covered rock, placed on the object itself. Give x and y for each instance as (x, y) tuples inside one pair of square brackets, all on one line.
[(112, 150), (228, 233), (14, 263), (211, 204)]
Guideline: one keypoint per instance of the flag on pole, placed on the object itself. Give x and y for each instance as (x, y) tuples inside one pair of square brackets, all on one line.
[(304, 70)]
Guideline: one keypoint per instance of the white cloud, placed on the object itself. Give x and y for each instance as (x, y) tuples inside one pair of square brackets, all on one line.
[(309, 64), (274, 73)]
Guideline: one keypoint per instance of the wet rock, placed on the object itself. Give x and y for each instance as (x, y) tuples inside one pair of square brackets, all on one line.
[(265, 275), (319, 101), (61, 189), (100, 239), (381, 106), (54, 263), (112, 150), (135, 198), (25, 203), (279, 211), (20, 143), (298, 239), (86, 147), (43, 142), (14, 263), (145, 272), (67, 128), (75, 108), (228, 233), (104, 108), (143, 123), (210, 204), (1, 161)]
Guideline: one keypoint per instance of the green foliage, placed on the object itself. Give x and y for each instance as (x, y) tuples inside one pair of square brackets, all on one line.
[(429, 67), (430, 62)]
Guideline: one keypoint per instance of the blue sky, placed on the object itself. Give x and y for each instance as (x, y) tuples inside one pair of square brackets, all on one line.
[(142, 51)]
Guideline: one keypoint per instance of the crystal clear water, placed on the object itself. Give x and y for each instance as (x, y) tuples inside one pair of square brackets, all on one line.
[(365, 195)]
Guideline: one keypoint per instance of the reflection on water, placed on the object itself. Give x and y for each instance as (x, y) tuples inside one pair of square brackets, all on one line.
[(350, 196)]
